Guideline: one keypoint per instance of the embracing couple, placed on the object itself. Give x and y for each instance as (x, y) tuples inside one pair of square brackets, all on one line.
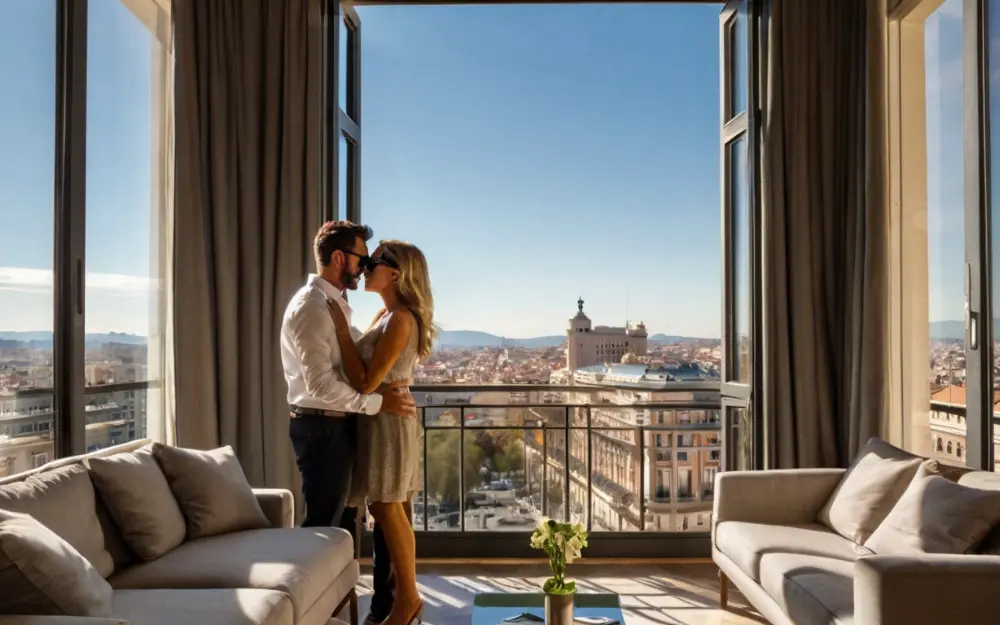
[(353, 421)]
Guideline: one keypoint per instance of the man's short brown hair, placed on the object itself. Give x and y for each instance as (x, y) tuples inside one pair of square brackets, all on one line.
[(337, 235)]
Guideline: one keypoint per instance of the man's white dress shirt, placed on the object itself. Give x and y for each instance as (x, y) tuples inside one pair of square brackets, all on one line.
[(311, 356)]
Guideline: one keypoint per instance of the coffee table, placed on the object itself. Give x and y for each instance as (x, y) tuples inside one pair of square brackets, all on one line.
[(489, 608)]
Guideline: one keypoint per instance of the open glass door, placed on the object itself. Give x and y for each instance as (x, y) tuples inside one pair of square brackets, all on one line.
[(343, 113), (944, 324), (739, 249)]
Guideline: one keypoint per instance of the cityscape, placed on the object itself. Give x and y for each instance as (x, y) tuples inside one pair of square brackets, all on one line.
[(652, 449), (622, 397)]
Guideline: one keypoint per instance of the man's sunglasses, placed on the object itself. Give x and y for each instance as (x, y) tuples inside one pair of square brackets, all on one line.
[(369, 263)]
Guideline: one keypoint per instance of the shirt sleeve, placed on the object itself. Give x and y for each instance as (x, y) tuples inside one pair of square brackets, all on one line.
[(313, 337)]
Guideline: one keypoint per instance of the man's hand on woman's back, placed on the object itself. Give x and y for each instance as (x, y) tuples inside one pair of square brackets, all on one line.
[(398, 401)]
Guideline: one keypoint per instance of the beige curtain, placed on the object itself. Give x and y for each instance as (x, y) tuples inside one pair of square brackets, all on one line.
[(248, 182), (825, 230)]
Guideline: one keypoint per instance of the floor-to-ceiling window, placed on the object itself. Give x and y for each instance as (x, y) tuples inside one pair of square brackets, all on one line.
[(27, 151), (82, 197)]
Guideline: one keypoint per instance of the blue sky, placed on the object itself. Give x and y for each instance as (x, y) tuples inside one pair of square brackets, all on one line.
[(119, 166), (542, 153), (536, 154)]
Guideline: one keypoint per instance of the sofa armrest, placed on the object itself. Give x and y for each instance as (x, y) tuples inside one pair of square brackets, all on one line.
[(61, 620), (926, 589), (278, 506), (777, 497)]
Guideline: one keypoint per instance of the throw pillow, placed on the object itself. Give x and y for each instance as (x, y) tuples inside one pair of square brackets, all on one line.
[(42, 574), (212, 490), (936, 515), (871, 487), (140, 501)]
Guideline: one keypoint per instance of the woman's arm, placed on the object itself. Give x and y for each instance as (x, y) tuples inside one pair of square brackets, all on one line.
[(367, 379), (354, 367)]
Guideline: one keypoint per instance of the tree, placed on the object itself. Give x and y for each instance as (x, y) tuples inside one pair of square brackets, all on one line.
[(443, 463)]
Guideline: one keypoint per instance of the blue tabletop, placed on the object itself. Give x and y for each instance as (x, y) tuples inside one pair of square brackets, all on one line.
[(492, 608)]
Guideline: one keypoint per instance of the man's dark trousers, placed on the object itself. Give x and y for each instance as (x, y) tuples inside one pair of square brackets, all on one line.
[(325, 449)]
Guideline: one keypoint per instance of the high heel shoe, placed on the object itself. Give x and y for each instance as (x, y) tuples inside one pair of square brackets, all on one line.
[(414, 615)]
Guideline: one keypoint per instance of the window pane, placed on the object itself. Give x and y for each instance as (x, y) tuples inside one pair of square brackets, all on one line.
[(343, 68), (123, 317), (942, 435), (344, 176), (27, 140), (738, 48), (739, 207)]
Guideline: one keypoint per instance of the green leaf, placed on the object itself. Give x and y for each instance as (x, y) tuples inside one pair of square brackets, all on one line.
[(570, 587)]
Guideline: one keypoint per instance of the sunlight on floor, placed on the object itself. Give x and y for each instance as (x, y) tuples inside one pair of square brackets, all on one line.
[(680, 594)]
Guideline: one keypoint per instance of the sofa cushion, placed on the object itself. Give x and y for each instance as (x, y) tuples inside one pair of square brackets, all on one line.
[(811, 590), (745, 543), (63, 500), (137, 495), (871, 487), (936, 515), (301, 562), (40, 573), (242, 606), (986, 480), (212, 490)]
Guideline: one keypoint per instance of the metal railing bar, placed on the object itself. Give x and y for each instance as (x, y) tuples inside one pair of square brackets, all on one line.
[(567, 508), (680, 404), (712, 427), (423, 418), (674, 387), (461, 469), (589, 515)]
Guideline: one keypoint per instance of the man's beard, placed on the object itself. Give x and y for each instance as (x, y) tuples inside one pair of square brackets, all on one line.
[(350, 280)]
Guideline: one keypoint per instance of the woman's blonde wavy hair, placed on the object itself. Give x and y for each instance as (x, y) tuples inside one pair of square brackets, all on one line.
[(414, 290)]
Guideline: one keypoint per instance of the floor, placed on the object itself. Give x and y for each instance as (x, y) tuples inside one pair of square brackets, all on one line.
[(660, 594)]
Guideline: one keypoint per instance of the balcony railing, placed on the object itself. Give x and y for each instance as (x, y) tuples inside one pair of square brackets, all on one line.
[(499, 465)]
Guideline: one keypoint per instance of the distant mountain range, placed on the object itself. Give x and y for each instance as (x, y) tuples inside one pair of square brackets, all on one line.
[(44, 339), (449, 339), (472, 338)]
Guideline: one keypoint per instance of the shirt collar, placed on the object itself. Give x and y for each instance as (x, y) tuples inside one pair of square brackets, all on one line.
[(328, 289)]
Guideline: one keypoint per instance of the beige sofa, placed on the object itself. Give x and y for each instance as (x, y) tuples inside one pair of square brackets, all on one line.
[(276, 575), (772, 538)]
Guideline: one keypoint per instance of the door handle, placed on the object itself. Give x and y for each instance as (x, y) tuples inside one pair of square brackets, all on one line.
[(971, 317)]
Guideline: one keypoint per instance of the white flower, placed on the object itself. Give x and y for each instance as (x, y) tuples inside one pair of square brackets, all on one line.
[(575, 543), (571, 553)]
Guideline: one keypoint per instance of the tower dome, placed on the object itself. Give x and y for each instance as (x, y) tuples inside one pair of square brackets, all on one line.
[(580, 322)]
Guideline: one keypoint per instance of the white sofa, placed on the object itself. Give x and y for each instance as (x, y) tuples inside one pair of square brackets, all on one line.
[(276, 575), (772, 538)]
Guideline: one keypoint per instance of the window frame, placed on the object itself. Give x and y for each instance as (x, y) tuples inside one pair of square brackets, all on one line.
[(909, 330), (341, 124)]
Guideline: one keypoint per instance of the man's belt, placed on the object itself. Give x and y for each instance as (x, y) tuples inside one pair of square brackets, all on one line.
[(298, 411)]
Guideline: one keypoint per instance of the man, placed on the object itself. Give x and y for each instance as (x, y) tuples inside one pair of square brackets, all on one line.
[(323, 407)]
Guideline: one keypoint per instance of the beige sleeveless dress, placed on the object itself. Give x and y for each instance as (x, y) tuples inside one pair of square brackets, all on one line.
[(387, 468)]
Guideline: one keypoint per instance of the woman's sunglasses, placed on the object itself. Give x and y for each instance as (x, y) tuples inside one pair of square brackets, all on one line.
[(369, 263)]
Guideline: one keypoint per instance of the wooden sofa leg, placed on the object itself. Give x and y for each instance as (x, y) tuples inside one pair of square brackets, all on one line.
[(354, 607), (723, 590)]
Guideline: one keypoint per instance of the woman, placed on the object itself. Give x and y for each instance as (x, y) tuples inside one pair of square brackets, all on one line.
[(388, 471)]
